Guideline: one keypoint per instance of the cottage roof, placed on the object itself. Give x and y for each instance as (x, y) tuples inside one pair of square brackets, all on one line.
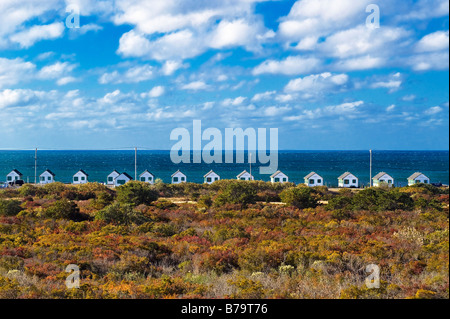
[(209, 173), (49, 171), (415, 175), (177, 173), (146, 171), (81, 171), (344, 175), (242, 174), (311, 175), (380, 175), (277, 173), (126, 175), (16, 171)]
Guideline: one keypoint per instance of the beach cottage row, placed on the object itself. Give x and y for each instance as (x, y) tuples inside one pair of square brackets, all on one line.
[(346, 180)]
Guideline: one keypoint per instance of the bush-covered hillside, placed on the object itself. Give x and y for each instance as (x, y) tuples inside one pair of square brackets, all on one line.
[(231, 239)]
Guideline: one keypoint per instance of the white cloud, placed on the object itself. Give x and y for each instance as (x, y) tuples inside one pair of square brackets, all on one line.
[(359, 63), (170, 67), (293, 65), (434, 110), (276, 111), (234, 102), (157, 91), (426, 9), (317, 83), (320, 17), (174, 30), (135, 74), (56, 70), (429, 61), (66, 80), (263, 96), (196, 86), (436, 41), (15, 71), (238, 33), (391, 108), (37, 33), (350, 110), (18, 98)]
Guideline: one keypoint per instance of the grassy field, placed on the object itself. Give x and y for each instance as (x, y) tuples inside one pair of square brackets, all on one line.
[(231, 239)]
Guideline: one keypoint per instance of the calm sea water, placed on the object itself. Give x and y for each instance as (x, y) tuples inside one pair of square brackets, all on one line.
[(296, 164)]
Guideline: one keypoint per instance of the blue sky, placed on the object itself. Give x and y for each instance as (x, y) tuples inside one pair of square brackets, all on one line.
[(137, 69)]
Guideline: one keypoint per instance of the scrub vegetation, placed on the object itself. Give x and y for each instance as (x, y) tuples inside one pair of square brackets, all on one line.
[(231, 239)]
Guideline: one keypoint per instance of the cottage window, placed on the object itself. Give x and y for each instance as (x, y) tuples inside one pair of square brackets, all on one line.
[(284, 179), (49, 178), (209, 180), (354, 181), (9, 178), (83, 178), (183, 179), (346, 182), (311, 181), (142, 179), (110, 179), (75, 179), (175, 179), (319, 181)]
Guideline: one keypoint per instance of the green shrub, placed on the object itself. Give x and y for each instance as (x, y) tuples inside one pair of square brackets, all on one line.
[(136, 193), (62, 209), (9, 207), (236, 192), (122, 214), (300, 197)]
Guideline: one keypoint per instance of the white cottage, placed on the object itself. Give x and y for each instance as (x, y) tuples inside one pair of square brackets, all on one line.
[(147, 177), (111, 177), (122, 179), (383, 179), (178, 178), (47, 177), (81, 177), (418, 178), (313, 179), (348, 180), (211, 177), (279, 177), (245, 176), (14, 176)]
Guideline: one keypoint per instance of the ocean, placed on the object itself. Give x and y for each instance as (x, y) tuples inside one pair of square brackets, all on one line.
[(296, 164)]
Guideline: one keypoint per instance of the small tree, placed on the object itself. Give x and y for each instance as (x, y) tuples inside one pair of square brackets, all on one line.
[(136, 193), (300, 197), (9, 207), (122, 214), (62, 209), (237, 192)]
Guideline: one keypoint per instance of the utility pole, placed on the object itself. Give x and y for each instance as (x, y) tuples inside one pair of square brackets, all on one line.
[(135, 163), (370, 168), (35, 166), (250, 160)]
